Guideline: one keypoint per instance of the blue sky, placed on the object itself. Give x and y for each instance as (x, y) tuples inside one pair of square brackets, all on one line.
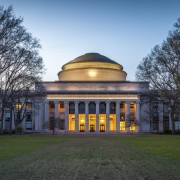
[(123, 30)]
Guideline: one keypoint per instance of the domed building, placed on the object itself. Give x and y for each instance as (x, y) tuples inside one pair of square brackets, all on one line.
[(90, 96), (92, 67)]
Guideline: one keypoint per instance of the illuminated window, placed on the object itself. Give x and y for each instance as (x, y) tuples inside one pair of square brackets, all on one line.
[(102, 122), (18, 106), (71, 122), (29, 106), (82, 122), (122, 126), (112, 123), (132, 127), (92, 122)]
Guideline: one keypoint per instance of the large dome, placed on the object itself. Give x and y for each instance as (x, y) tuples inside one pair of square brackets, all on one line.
[(92, 67), (92, 57)]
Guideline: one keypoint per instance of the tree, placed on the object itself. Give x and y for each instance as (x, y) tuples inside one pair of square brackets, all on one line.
[(20, 63), (162, 69), (51, 124)]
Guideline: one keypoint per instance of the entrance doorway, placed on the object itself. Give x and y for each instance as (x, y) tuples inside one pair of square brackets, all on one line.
[(92, 128), (102, 128), (82, 128), (92, 122)]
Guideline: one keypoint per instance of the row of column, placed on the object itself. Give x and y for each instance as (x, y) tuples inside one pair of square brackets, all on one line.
[(127, 113)]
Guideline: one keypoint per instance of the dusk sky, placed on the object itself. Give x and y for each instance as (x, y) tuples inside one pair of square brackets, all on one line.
[(123, 30)]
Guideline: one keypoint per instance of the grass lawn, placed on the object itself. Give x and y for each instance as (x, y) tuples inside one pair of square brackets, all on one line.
[(89, 157)]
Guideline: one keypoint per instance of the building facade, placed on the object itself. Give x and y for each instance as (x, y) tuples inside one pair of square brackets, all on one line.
[(90, 96)]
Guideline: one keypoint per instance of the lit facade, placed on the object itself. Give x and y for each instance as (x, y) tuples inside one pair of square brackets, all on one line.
[(90, 96)]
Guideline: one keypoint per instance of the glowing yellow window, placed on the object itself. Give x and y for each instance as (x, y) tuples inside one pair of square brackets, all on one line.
[(71, 122), (18, 106), (122, 126), (132, 127)]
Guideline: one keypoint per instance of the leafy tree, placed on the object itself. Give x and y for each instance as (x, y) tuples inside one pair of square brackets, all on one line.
[(20, 63), (162, 69)]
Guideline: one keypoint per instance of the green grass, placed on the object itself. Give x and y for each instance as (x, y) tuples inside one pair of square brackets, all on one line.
[(89, 157)]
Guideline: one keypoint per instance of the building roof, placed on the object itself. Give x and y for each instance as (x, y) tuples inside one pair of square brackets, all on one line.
[(92, 57)]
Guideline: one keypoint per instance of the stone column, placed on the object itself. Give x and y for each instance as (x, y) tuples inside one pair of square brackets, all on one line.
[(76, 117), (127, 116), (66, 116), (118, 116), (23, 111), (56, 110), (138, 116), (46, 114), (13, 124), (97, 116), (35, 115), (87, 116), (107, 116), (56, 114)]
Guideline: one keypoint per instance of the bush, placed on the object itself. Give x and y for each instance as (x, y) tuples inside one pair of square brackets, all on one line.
[(19, 129), (5, 131)]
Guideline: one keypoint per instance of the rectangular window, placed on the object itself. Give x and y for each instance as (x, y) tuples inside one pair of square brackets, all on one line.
[(28, 106), (18, 106), (177, 116), (132, 127), (71, 122), (112, 108), (71, 108), (28, 117), (61, 105), (122, 126)]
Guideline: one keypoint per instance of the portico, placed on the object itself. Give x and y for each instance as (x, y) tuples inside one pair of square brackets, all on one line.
[(92, 113)]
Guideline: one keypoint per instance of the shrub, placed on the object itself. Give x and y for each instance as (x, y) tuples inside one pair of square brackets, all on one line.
[(19, 129)]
